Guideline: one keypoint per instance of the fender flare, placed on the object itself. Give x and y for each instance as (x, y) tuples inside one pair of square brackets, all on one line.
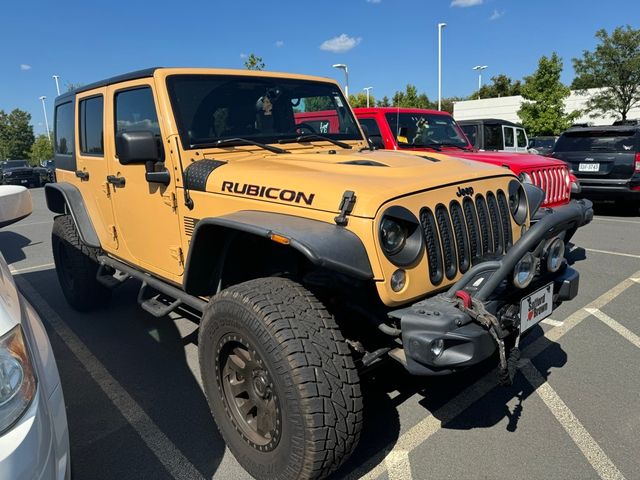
[(323, 244), (65, 198)]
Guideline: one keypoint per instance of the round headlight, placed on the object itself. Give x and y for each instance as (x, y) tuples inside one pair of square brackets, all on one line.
[(524, 271), (525, 178), (518, 201), (555, 254), (392, 235)]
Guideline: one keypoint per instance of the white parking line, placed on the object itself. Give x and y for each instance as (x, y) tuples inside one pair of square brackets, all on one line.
[(421, 432), (599, 460), (29, 269), (615, 220), (398, 466), (552, 322), (618, 327), (607, 252), (165, 451)]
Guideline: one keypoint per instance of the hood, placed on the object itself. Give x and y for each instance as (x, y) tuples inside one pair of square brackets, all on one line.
[(516, 161), (17, 169), (318, 180)]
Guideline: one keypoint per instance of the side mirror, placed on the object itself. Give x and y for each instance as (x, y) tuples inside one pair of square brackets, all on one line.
[(137, 147), (15, 204)]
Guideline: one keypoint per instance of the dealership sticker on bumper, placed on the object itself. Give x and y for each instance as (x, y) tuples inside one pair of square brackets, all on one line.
[(536, 307)]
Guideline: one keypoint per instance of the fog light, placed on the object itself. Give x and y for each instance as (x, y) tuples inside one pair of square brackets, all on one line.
[(524, 271), (555, 254), (398, 280), (437, 347)]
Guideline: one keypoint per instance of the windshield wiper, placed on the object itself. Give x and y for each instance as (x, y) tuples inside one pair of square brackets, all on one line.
[(230, 142), (313, 136), (465, 149), (435, 146)]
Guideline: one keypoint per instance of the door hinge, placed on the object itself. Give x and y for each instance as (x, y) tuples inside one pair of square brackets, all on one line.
[(171, 200), (114, 233), (176, 252), (105, 189)]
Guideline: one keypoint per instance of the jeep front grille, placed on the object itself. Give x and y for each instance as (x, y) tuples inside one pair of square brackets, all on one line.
[(554, 181), (456, 237)]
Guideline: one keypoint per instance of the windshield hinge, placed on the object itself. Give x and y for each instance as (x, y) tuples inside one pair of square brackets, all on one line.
[(346, 207), (176, 253)]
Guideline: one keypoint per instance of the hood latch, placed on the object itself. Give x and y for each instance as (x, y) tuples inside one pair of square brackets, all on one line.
[(346, 207)]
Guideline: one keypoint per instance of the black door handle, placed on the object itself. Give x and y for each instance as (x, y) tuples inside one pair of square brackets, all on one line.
[(116, 181), (82, 175)]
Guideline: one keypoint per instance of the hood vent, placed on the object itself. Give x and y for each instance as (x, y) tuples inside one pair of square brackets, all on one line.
[(366, 163)]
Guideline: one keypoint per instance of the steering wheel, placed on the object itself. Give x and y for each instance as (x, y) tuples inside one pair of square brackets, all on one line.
[(305, 126)]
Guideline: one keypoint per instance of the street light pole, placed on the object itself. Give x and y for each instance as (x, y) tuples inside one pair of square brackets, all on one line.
[(56, 78), (46, 121), (343, 66), (367, 89), (440, 27), (479, 68)]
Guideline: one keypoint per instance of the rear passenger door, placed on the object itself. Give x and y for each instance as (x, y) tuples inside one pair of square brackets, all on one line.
[(521, 140), (92, 165)]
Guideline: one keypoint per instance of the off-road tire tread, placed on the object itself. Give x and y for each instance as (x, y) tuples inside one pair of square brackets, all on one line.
[(89, 293), (320, 362)]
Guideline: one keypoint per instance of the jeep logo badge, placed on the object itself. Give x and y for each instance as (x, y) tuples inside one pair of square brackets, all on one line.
[(465, 192)]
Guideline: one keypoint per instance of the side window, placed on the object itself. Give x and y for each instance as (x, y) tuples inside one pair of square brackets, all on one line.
[(509, 140), (374, 131), (492, 137), (471, 131), (135, 111), (91, 135), (64, 129), (521, 137)]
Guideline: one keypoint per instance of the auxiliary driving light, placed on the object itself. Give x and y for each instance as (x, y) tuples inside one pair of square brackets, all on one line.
[(555, 254), (398, 280), (524, 271), (437, 347)]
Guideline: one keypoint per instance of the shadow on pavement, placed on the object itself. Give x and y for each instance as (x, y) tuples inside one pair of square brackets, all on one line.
[(616, 209), (13, 245), (146, 356)]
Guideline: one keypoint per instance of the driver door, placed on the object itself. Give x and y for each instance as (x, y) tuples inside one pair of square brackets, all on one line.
[(146, 217)]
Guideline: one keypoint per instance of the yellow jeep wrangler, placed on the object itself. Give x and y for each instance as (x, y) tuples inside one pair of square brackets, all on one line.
[(310, 255)]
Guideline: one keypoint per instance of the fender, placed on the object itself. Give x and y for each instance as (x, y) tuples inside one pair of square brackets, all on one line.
[(323, 244), (63, 198)]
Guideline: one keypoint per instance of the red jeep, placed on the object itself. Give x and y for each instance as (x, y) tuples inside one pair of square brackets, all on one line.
[(432, 130)]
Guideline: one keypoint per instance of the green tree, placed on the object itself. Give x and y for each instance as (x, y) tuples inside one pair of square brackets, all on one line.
[(500, 86), (16, 134), (254, 62), (410, 98), (447, 103), (613, 66), (360, 100), (40, 150), (545, 114), (384, 102), (317, 104)]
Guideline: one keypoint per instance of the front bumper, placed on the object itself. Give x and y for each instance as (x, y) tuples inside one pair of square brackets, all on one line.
[(480, 313), (606, 189)]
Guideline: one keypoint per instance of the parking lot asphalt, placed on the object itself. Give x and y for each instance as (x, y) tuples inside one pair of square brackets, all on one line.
[(136, 408)]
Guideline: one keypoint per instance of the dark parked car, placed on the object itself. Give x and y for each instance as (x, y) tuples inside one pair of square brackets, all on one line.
[(19, 172), (47, 171), (542, 145), (605, 159)]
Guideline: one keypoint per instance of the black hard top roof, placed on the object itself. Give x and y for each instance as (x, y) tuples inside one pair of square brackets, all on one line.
[(488, 120), (603, 128), (147, 72)]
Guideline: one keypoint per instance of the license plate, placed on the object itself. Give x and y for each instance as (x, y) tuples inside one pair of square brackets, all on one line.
[(536, 307), (589, 167)]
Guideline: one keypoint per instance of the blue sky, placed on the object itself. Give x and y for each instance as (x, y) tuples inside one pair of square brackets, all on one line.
[(386, 43)]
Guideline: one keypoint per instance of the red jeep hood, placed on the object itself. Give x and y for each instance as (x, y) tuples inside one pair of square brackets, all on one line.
[(517, 162)]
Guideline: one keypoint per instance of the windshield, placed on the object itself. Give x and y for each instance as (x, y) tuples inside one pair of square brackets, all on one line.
[(423, 129), (612, 141), (209, 108), (14, 163)]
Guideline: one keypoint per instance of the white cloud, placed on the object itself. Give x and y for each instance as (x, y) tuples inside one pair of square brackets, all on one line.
[(243, 55), (341, 43), (466, 3), (25, 67), (496, 15), (374, 1), (279, 43)]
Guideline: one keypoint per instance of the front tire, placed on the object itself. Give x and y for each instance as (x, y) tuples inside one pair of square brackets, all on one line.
[(76, 266), (280, 380)]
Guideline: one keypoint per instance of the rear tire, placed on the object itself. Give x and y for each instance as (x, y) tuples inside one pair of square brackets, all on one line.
[(304, 388), (76, 266)]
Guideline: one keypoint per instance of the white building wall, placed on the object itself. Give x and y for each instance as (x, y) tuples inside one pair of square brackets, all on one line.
[(506, 108)]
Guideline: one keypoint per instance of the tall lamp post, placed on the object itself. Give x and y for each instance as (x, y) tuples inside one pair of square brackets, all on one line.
[(343, 66), (56, 78), (46, 121), (479, 68), (367, 89), (440, 27)]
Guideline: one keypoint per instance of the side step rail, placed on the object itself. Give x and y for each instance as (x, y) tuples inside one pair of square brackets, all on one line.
[(156, 284), (152, 303)]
